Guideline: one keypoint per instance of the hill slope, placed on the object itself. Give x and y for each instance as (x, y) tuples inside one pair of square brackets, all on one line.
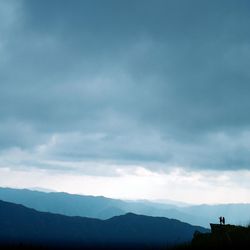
[(91, 206), (222, 237), (104, 208), (28, 226)]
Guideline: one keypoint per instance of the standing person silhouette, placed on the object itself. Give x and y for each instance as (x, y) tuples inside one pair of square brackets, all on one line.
[(223, 220)]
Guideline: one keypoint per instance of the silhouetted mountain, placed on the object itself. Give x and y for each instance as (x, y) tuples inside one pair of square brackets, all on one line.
[(104, 208), (21, 225), (90, 206)]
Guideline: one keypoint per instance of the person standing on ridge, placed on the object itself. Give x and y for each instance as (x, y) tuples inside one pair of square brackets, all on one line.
[(223, 220)]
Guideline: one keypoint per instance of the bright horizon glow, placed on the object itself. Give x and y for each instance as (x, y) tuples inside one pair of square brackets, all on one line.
[(139, 184)]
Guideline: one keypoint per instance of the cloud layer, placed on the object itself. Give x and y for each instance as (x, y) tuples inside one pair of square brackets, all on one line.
[(159, 83)]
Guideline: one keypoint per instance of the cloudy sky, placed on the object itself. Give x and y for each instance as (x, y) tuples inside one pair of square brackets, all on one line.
[(136, 99)]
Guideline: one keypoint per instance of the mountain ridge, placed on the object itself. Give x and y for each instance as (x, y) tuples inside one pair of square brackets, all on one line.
[(90, 206), (104, 208), (22, 225)]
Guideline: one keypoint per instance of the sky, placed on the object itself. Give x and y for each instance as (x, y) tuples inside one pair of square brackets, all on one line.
[(136, 99)]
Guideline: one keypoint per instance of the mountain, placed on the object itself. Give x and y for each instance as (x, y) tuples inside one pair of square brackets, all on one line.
[(64, 203), (237, 214), (91, 206), (27, 227), (104, 208)]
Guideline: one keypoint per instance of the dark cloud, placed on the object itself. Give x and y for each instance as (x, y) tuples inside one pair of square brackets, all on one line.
[(160, 81)]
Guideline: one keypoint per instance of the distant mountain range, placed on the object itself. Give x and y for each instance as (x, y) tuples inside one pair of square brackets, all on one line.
[(24, 226), (90, 206), (104, 208)]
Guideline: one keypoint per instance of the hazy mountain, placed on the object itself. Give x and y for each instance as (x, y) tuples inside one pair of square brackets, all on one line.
[(238, 214), (104, 208), (91, 206), (21, 225), (63, 203)]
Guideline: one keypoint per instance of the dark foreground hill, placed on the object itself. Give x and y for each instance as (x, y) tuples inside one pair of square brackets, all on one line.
[(21, 226), (221, 237)]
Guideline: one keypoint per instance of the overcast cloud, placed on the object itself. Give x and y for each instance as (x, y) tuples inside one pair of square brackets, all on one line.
[(155, 83)]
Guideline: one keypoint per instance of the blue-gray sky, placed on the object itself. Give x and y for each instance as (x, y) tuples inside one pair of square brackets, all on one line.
[(96, 88)]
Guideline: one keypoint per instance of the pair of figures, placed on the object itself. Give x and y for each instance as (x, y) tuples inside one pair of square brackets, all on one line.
[(222, 220)]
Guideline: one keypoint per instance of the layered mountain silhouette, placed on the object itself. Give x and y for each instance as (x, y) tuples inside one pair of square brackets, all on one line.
[(93, 206), (25, 226), (104, 208)]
